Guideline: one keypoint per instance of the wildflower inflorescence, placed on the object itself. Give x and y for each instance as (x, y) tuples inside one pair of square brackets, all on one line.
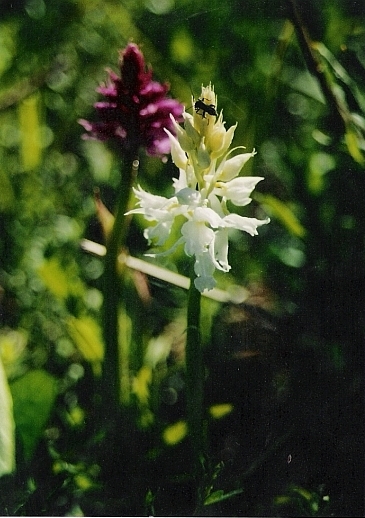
[(136, 110), (208, 179)]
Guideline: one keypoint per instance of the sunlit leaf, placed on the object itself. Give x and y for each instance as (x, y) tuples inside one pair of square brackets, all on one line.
[(307, 495), (282, 500), (105, 217), (76, 416), (86, 334), (13, 343), (60, 281), (220, 495), (340, 73), (83, 481), (33, 396), (221, 410), (6, 192), (281, 211), (7, 45), (175, 433), (352, 142), (7, 432), (125, 325), (141, 388), (319, 165), (30, 132), (140, 384), (182, 46)]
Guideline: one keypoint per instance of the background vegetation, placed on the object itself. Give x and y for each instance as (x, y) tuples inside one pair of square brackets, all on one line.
[(284, 369)]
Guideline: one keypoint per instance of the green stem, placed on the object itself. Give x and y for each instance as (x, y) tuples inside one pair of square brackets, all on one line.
[(116, 241), (195, 375)]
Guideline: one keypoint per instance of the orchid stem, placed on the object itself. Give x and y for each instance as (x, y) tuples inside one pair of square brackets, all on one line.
[(116, 241), (195, 375)]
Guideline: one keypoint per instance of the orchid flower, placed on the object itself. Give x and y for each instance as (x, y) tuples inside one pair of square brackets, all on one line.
[(135, 111), (208, 179)]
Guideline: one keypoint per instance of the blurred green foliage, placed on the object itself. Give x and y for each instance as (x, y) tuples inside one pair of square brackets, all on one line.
[(288, 362)]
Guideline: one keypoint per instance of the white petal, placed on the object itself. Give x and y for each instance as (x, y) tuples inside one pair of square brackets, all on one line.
[(207, 215), (208, 94), (248, 225), (205, 283), (158, 233), (220, 250), (228, 137), (188, 117), (190, 176), (177, 153), (219, 139), (146, 199), (237, 190), (197, 237), (232, 166), (168, 252), (181, 182), (204, 269), (216, 204)]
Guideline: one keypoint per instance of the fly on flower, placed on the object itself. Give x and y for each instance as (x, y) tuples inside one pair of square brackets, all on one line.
[(200, 106), (208, 179)]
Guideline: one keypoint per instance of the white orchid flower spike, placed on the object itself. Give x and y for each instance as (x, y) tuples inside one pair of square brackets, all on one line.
[(208, 178)]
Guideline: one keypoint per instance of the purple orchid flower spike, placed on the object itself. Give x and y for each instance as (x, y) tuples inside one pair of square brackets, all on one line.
[(135, 111)]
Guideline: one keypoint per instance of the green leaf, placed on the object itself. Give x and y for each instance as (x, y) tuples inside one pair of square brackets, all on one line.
[(86, 334), (175, 433), (7, 197), (62, 281), (340, 73), (31, 141), (352, 140), (220, 495), (220, 410), (283, 213), (33, 396), (7, 428)]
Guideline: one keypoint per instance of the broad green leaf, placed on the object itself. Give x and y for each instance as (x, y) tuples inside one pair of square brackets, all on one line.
[(33, 396), (7, 427)]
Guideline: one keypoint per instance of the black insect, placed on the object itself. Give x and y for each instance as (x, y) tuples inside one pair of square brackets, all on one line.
[(205, 108)]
